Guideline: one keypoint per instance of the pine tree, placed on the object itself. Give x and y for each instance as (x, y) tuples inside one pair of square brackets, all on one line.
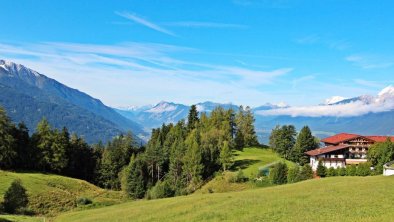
[(7, 142), (192, 119), (226, 156), (15, 198), (25, 152), (249, 131), (282, 140), (192, 167), (135, 179), (44, 140), (305, 142)]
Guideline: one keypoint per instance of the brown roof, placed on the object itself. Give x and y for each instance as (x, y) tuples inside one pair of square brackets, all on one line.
[(339, 138), (326, 149), (380, 138)]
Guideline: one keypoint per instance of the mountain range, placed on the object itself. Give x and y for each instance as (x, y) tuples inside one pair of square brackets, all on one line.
[(29, 96), (366, 114)]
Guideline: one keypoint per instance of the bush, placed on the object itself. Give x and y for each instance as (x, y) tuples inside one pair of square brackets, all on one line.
[(239, 177), (331, 172), (306, 172), (15, 198), (321, 170), (293, 174), (341, 171), (364, 169), (84, 201), (278, 173), (162, 189), (351, 170)]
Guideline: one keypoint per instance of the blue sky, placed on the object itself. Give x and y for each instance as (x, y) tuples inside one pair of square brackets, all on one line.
[(242, 51)]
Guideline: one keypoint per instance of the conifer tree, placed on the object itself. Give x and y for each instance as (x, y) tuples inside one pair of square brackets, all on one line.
[(7, 142), (15, 197), (226, 156), (192, 167), (305, 142), (135, 178), (192, 118)]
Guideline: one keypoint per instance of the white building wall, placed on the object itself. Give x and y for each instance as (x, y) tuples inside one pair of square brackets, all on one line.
[(388, 172), (314, 162)]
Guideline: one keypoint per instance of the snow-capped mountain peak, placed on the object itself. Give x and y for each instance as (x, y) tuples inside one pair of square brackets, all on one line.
[(333, 100), (17, 69), (162, 106)]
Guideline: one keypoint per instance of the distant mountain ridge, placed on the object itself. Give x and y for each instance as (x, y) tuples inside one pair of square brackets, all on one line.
[(28, 96), (374, 115)]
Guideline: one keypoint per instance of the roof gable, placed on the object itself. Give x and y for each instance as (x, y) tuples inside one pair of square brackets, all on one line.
[(327, 149), (340, 138)]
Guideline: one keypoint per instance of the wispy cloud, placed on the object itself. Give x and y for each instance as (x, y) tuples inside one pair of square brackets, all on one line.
[(144, 22), (194, 24), (370, 61), (313, 39), (368, 83), (135, 73), (302, 79)]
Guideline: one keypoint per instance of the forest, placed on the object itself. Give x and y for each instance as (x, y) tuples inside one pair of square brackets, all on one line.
[(176, 160)]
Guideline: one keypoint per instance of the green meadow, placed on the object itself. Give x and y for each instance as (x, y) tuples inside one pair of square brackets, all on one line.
[(330, 199), (50, 194)]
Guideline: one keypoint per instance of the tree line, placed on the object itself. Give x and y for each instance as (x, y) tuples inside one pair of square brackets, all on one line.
[(175, 161), (292, 146), (179, 157)]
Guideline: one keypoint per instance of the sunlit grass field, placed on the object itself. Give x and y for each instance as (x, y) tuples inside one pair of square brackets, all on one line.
[(329, 199), (50, 194), (249, 160)]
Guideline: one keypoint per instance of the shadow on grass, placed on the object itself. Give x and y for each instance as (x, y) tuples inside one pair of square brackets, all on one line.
[(243, 164)]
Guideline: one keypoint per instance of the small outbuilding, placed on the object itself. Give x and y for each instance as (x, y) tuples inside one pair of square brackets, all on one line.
[(388, 169)]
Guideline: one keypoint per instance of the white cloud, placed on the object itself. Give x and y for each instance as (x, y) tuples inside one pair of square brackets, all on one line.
[(142, 73), (144, 22), (367, 104)]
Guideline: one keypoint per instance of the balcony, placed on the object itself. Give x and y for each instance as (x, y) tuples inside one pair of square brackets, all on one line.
[(355, 161)]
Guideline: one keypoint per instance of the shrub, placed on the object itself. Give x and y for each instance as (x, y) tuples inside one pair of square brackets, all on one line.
[(278, 173), (162, 189), (321, 170), (341, 171), (331, 172), (351, 170), (306, 172), (293, 174), (240, 177), (363, 169), (84, 201), (15, 198)]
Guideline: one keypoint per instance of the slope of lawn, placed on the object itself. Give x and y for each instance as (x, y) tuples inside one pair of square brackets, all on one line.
[(51, 194), (14, 218), (249, 160), (329, 199)]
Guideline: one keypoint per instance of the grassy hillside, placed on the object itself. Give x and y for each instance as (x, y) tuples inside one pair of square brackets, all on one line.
[(14, 218), (50, 194), (249, 160), (330, 199)]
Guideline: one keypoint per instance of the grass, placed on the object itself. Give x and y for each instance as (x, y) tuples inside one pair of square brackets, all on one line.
[(249, 160), (14, 218), (328, 199), (51, 194)]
